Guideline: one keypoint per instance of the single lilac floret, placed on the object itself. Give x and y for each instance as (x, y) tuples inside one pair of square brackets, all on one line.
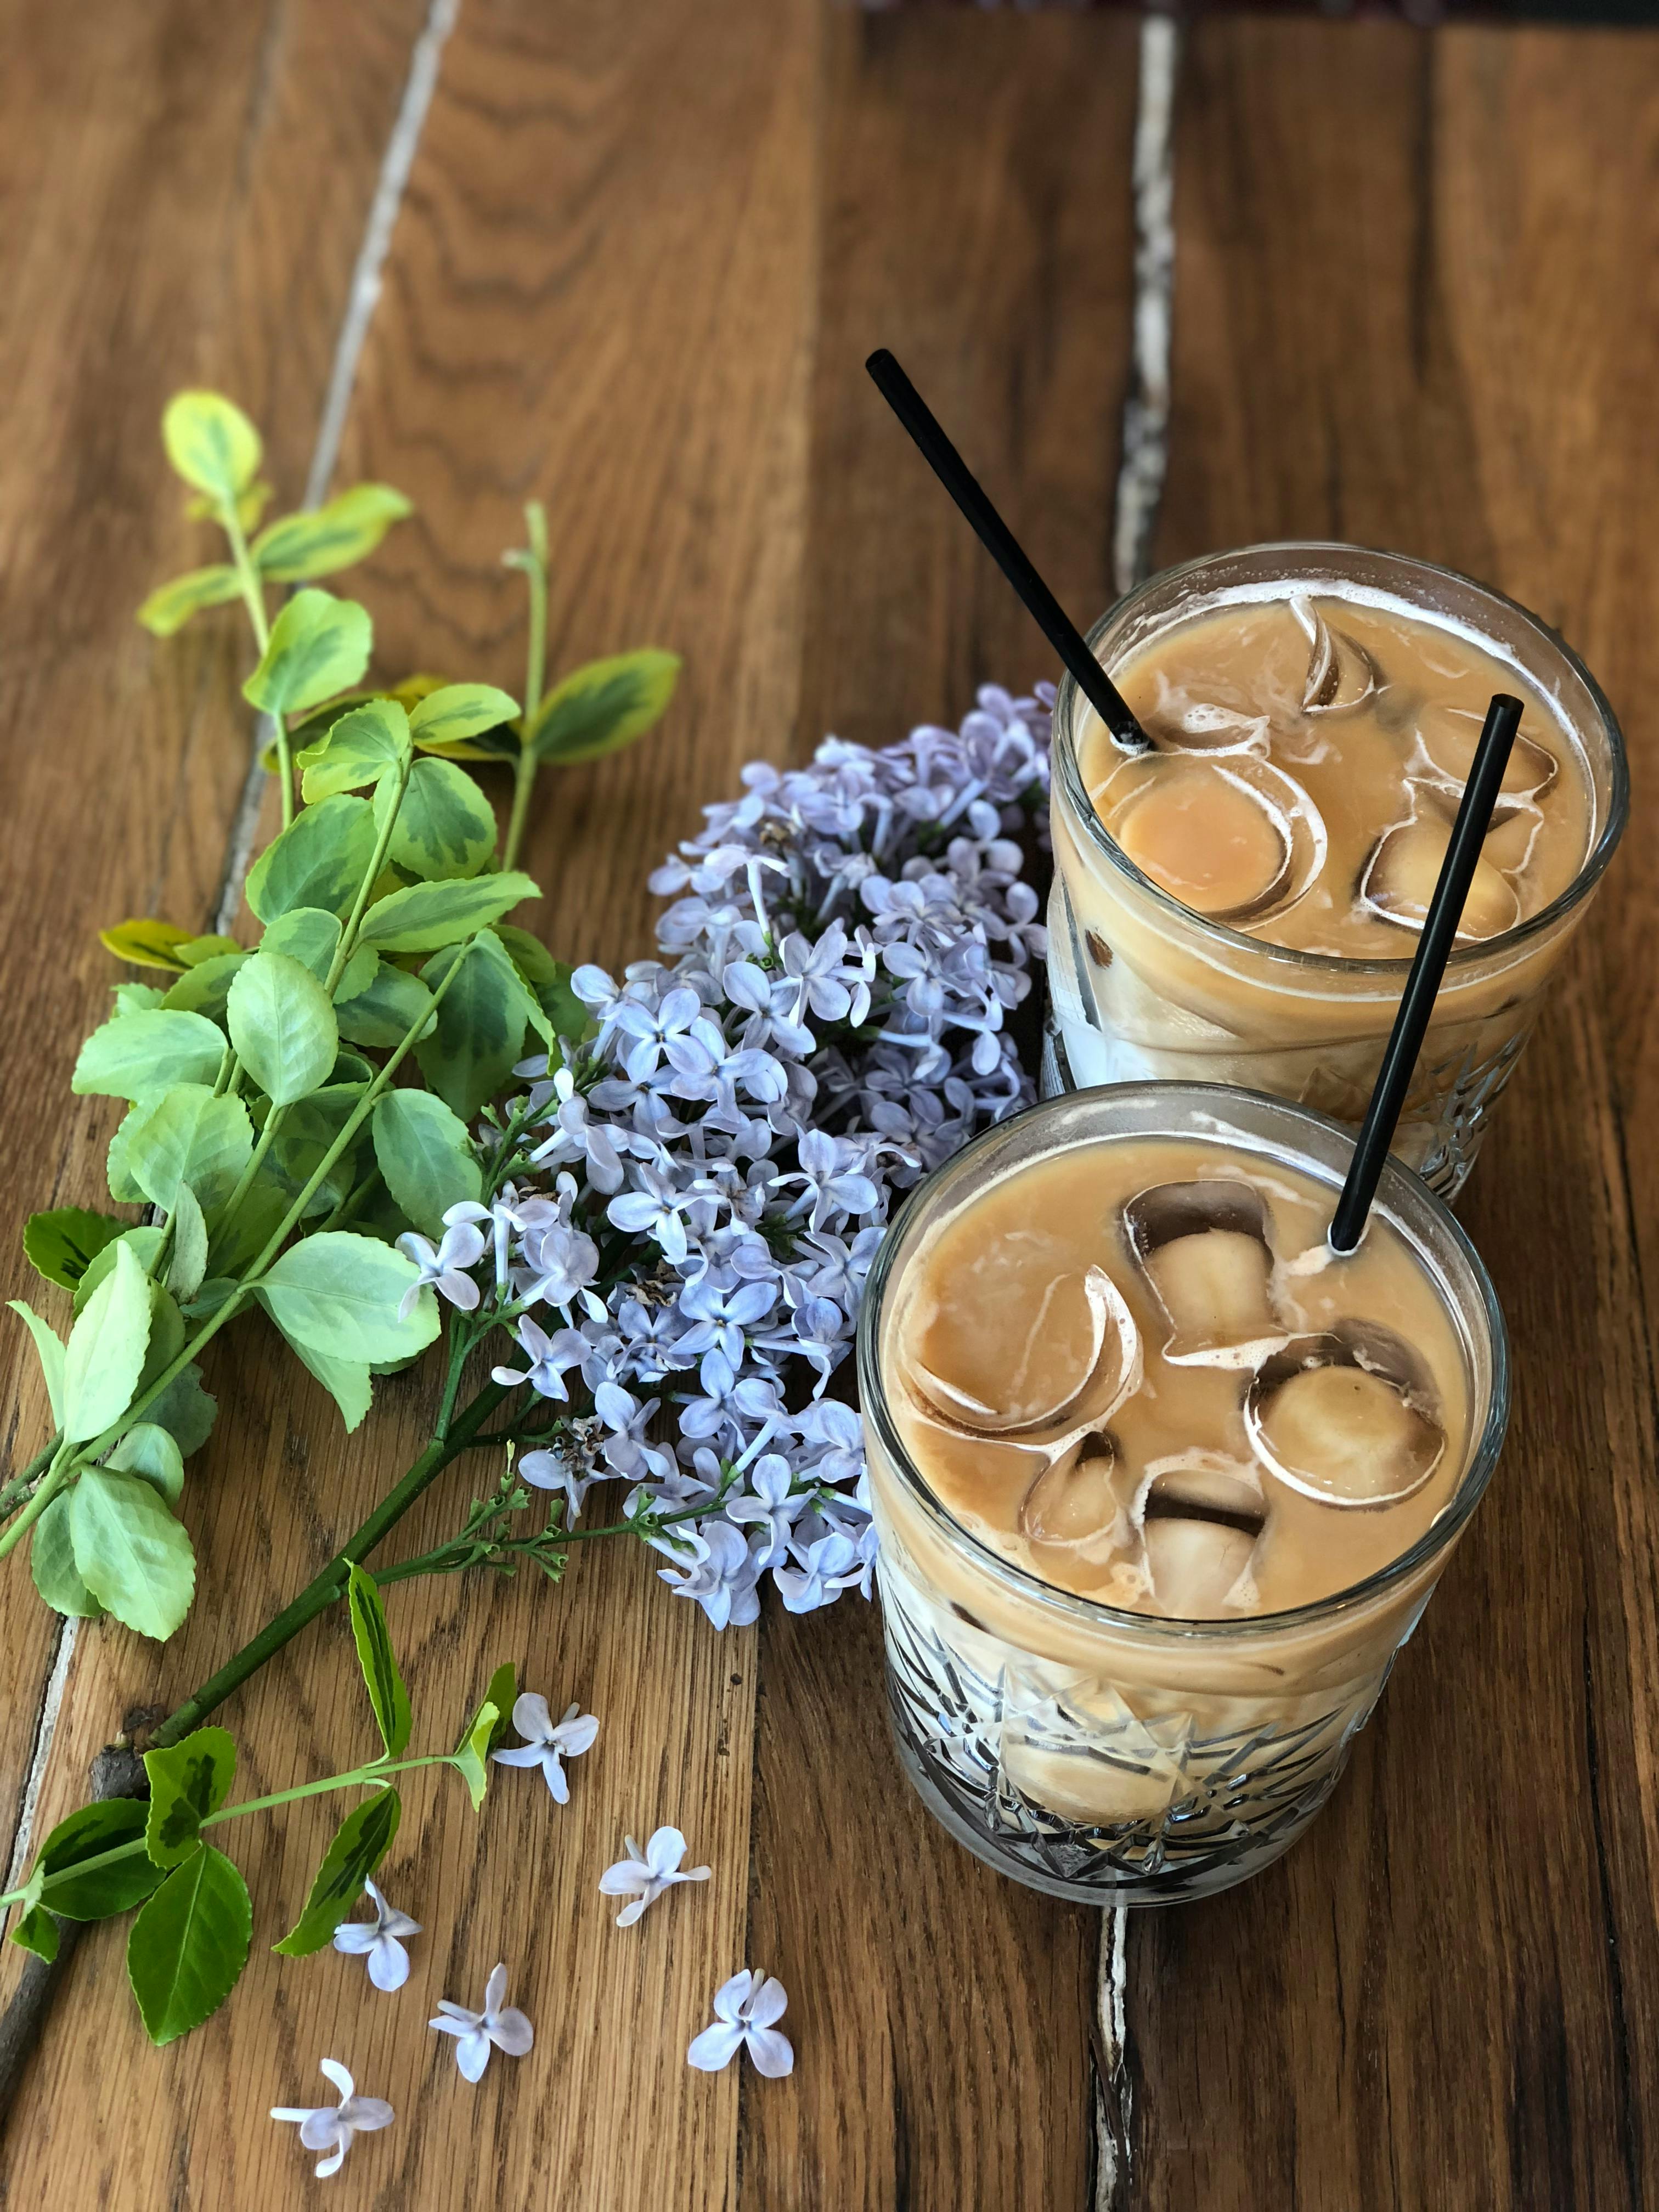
[(330, 2127), (745, 2010), (379, 1941), (499, 2026), (643, 1875), (548, 1742)]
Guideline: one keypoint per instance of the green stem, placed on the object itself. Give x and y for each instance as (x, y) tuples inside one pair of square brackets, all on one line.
[(348, 943), (372, 1775), (352, 1203), (360, 1777), (245, 1181), (324, 1589), (53, 1480), (18, 1488), (444, 1559), (534, 564), (254, 597), (524, 785)]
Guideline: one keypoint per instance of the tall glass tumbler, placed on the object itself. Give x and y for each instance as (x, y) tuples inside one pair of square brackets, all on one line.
[(1115, 1756), (1141, 986)]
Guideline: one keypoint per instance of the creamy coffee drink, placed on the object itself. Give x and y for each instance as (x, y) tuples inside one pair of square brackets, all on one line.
[(1136, 1370), (1242, 903), (1160, 1483), (1311, 753)]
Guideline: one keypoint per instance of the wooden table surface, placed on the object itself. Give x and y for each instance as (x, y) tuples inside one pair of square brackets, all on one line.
[(630, 259)]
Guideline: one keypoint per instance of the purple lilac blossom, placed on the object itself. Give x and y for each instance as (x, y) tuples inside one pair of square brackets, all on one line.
[(826, 1024)]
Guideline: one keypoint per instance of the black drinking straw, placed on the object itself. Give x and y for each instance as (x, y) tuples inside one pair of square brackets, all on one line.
[(1004, 549), (1417, 1003)]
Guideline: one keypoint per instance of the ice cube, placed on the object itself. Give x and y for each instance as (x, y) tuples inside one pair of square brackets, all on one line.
[(1399, 879), (1209, 837), (1514, 832), (1040, 1396), (1197, 1566), (1205, 1249), (1204, 726), (1202, 1486), (1074, 1505), (1448, 736), (1348, 1417), (1340, 674), (1227, 833)]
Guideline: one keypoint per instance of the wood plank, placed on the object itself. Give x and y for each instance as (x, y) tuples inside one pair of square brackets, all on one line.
[(628, 335), (150, 241), (182, 208), (978, 224), (1404, 315)]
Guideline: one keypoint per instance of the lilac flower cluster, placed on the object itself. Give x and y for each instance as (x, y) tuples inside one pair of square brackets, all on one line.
[(713, 1168)]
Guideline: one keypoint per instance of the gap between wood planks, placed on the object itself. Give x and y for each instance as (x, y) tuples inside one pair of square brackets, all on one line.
[(360, 299), (1139, 490)]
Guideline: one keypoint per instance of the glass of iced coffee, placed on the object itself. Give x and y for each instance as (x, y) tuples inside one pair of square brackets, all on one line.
[(1241, 904), (1161, 1486)]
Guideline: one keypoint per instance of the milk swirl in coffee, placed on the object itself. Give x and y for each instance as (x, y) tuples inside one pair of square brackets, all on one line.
[(1136, 1370), (1309, 754)]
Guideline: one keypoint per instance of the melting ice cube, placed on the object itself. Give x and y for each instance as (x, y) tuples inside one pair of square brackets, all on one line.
[(1202, 1485), (1347, 1417), (1228, 834), (1073, 1502), (1207, 1251), (1039, 1398), (1512, 836), (1199, 1514), (1196, 1567), (1400, 877), (1340, 674), (1448, 736)]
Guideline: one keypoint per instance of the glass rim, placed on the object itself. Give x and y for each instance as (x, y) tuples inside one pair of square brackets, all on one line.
[(1073, 1606), (1067, 775)]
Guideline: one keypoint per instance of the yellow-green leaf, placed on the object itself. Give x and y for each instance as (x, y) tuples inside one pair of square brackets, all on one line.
[(187, 1781), (408, 692), (602, 706), (251, 504), (386, 1691), (199, 949), (147, 943), (359, 748), (210, 443), (318, 645), (170, 606), (348, 529), (445, 826), (360, 1842), (458, 715), (61, 1245)]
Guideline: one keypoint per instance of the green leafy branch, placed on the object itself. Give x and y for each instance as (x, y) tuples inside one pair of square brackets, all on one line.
[(280, 1164), (278, 1143), (193, 1929)]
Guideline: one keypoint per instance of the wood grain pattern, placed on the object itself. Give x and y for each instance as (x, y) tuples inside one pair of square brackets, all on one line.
[(1398, 319), (169, 183), (978, 224), (639, 260), (558, 316)]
